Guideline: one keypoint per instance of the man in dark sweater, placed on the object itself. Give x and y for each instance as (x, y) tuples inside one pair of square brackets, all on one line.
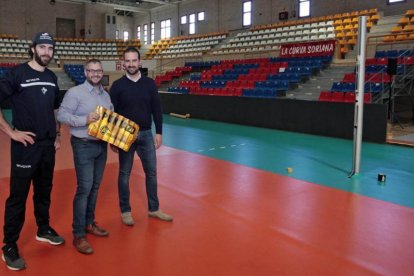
[(33, 91), (135, 97)]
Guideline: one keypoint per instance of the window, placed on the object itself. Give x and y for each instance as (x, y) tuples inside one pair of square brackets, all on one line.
[(145, 33), (192, 24), (117, 34), (166, 28), (304, 8), (395, 1), (200, 16), (152, 32), (139, 32), (183, 19), (247, 13), (126, 35)]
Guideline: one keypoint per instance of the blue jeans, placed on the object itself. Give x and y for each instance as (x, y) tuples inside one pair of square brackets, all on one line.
[(144, 147), (90, 159)]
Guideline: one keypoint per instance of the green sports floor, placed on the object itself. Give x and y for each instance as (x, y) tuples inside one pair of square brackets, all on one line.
[(322, 160)]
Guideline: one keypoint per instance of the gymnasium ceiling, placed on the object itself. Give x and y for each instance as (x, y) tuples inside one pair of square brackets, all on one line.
[(142, 6)]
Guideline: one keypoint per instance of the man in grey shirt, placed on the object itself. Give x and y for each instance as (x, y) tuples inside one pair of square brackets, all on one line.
[(78, 110)]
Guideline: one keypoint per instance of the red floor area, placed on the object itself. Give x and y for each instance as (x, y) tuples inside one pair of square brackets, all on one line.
[(228, 220)]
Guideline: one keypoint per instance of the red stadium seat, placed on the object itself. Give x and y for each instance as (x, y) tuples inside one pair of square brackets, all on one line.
[(349, 77), (325, 96), (367, 97), (337, 97), (349, 97)]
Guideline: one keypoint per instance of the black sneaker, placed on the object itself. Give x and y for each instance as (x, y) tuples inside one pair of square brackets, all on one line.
[(49, 236), (12, 258)]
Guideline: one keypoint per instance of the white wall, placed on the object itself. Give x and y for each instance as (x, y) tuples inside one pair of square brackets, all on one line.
[(25, 18)]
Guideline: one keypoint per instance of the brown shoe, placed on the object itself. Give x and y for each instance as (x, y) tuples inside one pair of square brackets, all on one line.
[(82, 245), (94, 229), (160, 215), (127, 219)]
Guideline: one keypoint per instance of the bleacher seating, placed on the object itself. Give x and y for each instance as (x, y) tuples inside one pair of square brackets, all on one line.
[(346, 97), (169, 75), (157, 47), (6, 66), (12, 47), (256, 40), (257, 77), (404, 30), (190, 46), (83, 49), (75, 72), (269, 37), (68, 48), (376, 77)]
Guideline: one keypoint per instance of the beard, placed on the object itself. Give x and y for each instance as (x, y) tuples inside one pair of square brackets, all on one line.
[(43, 62), (132, 70), (93, 83)]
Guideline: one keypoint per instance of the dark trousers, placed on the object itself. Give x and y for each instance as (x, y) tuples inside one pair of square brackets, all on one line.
[(144, 147), (90, 159), (31, 163)]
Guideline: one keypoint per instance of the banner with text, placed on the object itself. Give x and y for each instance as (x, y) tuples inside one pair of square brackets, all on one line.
[(309, 49)]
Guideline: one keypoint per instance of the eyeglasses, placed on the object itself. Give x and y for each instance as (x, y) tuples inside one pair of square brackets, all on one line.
[(92, 71)]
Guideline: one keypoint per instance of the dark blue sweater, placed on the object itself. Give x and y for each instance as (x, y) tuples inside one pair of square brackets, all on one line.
[(138, 101)]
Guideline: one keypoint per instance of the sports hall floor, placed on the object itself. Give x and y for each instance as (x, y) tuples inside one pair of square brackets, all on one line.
[(236, 209)]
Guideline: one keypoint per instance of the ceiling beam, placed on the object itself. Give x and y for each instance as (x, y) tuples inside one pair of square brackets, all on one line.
[(158, 2), (115, 6)]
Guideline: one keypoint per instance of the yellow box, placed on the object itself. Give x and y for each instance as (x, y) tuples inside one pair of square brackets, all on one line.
[(114, 129)]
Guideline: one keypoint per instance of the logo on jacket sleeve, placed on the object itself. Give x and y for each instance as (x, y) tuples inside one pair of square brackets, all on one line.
[(23, 166), (44, 90)]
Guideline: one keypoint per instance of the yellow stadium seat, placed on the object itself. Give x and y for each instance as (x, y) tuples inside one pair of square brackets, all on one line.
[(352, 41), (396, 29), (339, 28), (343, 42), (373, 11), (348, 27), (409, 28), (403, 21), (340, 35), (374, 18), (350, 34), (401, 37), (409, 13)]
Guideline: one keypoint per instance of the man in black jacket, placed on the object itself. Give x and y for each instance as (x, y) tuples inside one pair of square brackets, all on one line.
[(33, 91)]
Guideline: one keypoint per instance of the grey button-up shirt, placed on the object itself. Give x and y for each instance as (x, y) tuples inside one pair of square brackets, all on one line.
[(78, 102)]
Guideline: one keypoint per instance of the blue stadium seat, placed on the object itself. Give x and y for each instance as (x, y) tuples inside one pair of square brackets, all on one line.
[(337, 87), (380, 54), (392, 53)]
